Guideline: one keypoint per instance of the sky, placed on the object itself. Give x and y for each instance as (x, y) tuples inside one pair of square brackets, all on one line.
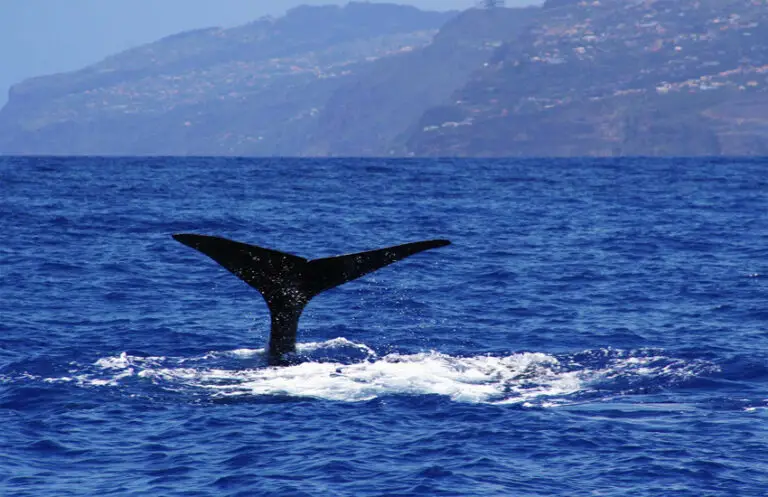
[(39, 37)]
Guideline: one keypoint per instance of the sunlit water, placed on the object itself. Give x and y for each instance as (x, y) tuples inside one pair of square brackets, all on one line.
[(596, 328)]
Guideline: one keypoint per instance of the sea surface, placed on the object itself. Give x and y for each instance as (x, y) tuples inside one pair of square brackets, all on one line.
[(596, 328)]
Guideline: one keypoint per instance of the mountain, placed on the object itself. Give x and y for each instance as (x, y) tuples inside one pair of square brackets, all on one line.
[(373, 112), (252, 90), (616, 77), (570, 78)]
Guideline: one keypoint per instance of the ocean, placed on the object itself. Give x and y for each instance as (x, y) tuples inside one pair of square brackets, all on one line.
[(598, 327)]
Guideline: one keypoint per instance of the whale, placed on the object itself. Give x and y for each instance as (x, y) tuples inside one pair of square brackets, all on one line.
[(288, 282)]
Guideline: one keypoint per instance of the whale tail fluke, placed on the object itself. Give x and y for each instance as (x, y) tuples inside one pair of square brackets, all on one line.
[(268, 271), (324, 274), (287, 282)]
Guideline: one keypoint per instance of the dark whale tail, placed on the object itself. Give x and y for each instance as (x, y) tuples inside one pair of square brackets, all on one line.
[(287, 282)]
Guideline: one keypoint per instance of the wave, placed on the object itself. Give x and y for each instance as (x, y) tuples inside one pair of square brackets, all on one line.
[(342, 370)]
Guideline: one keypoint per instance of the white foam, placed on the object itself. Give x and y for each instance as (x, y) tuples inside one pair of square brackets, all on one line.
[(334, 344), (530, 378), (125, 361), (244, 353), (473, 379)]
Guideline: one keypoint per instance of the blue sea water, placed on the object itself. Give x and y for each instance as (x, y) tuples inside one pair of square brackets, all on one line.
[(597, 328)]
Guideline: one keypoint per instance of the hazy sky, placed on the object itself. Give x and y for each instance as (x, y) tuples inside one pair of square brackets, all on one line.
[(47, 36)]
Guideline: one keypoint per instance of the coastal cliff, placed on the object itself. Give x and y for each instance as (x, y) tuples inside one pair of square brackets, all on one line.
[(616, 77), (256, 89), (570, 78)]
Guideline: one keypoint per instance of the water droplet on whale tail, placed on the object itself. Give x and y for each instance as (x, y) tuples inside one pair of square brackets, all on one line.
[(288, 282)]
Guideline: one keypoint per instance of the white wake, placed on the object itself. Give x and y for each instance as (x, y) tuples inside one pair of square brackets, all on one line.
[(528, 378)]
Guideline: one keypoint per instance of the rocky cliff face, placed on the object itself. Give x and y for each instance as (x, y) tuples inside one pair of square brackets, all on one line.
[(253, 90), (616, 77), (375, 111), (572, 78)]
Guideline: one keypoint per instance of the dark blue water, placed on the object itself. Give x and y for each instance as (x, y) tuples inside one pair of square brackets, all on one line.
[(596, 328)]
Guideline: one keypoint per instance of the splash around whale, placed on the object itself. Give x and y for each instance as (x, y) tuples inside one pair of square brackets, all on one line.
[(288, 282)]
